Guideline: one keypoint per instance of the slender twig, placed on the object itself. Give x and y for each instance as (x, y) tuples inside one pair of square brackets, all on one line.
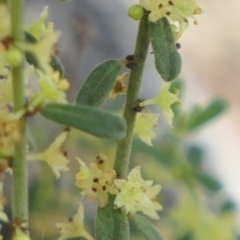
[(20, 192), (113, 223), (125, 145)]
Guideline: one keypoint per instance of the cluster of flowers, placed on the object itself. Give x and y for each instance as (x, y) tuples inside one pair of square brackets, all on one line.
[(97, 182), (146, 121), (177, 11), (49, 86)]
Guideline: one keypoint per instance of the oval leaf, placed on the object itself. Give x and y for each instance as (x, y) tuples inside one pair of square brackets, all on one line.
[(148, 230), (92, 120), (99, 83), (167, 59), (208, 181)]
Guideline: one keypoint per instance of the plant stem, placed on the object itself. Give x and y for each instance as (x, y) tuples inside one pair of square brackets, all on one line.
[(20, 191), (124, 146), (113, 223)]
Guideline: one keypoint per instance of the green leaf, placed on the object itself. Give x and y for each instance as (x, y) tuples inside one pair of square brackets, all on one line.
[(200, 116), (167, 59), (57, 65), (208, 181), (99, 83), (195, 156), (148, 230), (29, 38), (111, 223), (32, 59), (228, 206), (92, 120)]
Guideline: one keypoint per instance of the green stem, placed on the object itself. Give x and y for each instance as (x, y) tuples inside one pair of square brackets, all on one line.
[(20, 191), (113, 223), (124, 146)]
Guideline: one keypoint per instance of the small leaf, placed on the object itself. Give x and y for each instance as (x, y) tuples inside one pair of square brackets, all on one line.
[(201, 116), (29, 38), (148, 230), (228, 206), (195, 156), (208, 181), (92, 120), (99, 83), (167, 59), (57, 65)]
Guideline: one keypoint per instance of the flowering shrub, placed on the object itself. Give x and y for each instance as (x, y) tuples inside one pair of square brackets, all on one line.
[(121, 193)]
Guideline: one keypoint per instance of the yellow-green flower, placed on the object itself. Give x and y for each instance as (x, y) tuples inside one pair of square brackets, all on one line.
[(38, 29), (145, 122), (20, 235), (164, 99), (55, 155), (52, 87), (6, 96), (176, 10), (5, 23), (75, 227), (97, 181), (120, 87), (43, 50), (9, 130), (137, 195)]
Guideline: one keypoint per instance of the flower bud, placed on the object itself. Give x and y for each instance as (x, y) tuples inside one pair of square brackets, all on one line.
[(14, 56), (135, 12)]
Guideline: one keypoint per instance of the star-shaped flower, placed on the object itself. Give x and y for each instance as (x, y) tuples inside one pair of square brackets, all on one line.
[(55, 155), (120, 87), (145, 122), (97, 181), (5, 23), (75, 226), (52, 87), (38, 29), (177, 11), (9, 130), (164, 99), (43, 50), (137, 195), (20, 235)]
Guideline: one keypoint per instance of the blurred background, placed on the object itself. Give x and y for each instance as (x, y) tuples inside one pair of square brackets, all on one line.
[(197, 166)]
